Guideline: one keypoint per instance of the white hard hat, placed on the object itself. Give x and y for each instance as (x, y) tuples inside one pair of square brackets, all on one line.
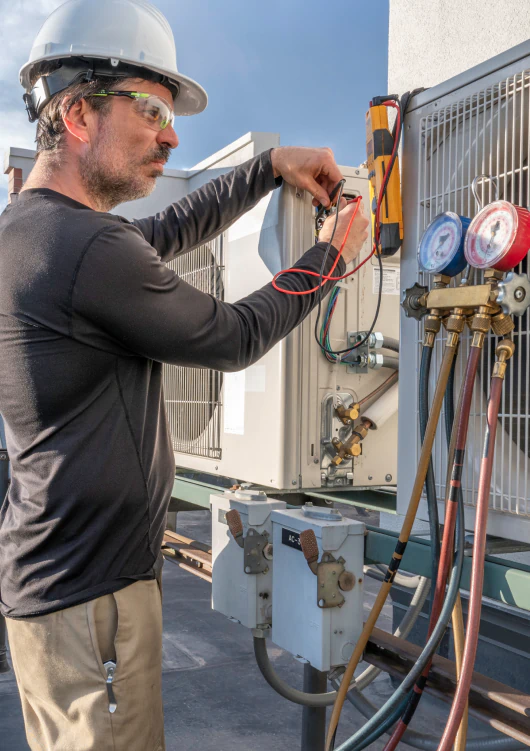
[(113, 37)]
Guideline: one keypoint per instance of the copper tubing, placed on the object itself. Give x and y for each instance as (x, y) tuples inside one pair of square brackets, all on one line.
[(479, 551), (445, 369), (390, 381), (451, 507)]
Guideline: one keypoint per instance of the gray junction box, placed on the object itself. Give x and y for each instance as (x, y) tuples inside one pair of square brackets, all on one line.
[(242, 596), (324, 636)]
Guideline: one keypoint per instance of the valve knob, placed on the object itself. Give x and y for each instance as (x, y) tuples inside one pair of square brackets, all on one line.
[(514, 294), (411, 302)]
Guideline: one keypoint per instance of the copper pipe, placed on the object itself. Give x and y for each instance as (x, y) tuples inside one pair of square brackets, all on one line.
[(504, 351), (425, 455), (382, 389)]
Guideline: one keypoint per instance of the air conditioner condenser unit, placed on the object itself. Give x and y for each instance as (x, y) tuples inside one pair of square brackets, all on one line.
[(273, 424)]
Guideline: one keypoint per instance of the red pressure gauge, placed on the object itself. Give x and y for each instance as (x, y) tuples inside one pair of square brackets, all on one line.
[(498, 237)]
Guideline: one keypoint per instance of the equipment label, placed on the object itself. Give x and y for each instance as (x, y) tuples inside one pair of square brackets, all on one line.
[(234, 403), (292, 539), (391, 283)]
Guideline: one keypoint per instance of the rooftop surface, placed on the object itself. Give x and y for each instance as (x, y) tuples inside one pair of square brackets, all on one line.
[(215, 698)]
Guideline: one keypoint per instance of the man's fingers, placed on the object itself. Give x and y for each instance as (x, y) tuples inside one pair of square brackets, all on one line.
[(317, 191)]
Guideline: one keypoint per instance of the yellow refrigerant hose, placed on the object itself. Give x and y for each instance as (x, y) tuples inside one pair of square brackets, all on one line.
[(423, 464)]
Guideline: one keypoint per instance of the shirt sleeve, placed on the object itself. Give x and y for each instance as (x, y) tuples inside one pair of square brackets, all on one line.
[(125, 296), (208, 211)]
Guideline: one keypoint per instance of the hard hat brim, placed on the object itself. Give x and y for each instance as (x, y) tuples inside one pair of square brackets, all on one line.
[(191, 100)]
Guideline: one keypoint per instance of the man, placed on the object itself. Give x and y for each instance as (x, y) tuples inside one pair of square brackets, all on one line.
[(89, 311)]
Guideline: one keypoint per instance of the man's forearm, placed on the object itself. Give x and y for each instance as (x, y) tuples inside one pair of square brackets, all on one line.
[(209, 210)]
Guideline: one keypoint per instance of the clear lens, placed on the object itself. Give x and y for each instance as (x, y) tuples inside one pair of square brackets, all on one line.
[(155, 111)]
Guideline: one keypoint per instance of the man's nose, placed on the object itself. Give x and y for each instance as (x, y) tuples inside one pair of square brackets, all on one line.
[(168, 137)]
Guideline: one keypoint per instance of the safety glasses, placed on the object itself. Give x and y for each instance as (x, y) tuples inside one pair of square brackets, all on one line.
[(154, 110)]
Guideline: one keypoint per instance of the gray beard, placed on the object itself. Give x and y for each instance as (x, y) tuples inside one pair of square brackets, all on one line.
[(106, 189)]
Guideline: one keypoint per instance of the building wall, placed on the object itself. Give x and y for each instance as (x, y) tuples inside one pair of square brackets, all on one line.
[(431, 41), (171, 186)]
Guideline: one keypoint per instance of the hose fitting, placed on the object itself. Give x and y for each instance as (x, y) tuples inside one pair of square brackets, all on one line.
[(502, 324), (503, 351), (456, 322), (432, 325), (480, 325)]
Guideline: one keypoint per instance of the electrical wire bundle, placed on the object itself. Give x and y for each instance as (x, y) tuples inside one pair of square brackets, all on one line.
[(324, 341), (321, 338)]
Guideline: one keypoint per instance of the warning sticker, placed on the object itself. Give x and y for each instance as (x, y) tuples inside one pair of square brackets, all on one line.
[(391, 284)]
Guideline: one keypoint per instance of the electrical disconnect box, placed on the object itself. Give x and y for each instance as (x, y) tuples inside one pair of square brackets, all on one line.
[(317, 584), (242, 556)]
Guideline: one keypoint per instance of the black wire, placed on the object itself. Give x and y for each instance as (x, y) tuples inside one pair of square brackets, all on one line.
[(386, 178)]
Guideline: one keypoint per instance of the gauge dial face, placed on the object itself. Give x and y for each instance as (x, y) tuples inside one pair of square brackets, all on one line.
[(440, 243), (491, 235)]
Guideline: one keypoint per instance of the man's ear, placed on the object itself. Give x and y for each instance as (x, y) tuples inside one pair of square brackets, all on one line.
[(75, 119)]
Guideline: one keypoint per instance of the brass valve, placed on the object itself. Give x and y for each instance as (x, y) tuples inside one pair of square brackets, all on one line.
[(352, 447), (347, 414)]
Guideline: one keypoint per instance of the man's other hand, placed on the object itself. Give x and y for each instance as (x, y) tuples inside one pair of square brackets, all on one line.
[(314, 170), (358, 232)]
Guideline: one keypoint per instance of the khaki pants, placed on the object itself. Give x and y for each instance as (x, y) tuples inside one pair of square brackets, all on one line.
[(59, 665)]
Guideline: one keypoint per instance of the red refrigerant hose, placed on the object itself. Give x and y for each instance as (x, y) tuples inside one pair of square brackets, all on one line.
[(446, 554), (504, 351)]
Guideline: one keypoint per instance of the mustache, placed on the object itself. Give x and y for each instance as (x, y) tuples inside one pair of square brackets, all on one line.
[(161, 154)]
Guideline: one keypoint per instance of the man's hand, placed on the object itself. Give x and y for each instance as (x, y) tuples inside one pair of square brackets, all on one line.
[(358, 232), (314, 170)]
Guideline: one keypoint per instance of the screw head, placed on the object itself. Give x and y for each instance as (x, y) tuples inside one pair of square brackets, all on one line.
[(370, 477), (519, 294), (248, 569), (338, 388), (321, 603), (316, 460), (217, 468), (388, 477), (294, 482)]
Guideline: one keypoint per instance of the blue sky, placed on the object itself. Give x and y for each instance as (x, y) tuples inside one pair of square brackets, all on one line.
[(302, 68)]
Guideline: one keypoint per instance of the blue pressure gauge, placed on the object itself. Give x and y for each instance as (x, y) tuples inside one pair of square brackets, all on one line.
[(441, 248)]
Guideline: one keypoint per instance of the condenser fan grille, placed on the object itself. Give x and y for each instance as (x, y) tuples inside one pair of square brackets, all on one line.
[(192, 395), (488, 133)]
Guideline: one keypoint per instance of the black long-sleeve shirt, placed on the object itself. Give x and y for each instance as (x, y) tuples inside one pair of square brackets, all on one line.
[(89, 311)]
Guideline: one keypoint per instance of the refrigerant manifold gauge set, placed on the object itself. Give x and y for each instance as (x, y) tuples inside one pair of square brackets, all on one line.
[(497, 238)]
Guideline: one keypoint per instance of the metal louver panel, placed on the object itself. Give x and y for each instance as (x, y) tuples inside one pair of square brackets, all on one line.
[(485, 133), (193, 395)]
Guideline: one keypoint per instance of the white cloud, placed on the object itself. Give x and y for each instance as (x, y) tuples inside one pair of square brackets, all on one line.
[(21, 21)]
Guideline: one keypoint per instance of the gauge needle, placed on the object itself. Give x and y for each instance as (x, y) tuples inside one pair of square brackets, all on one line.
[(496, 227), (443, 240)]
